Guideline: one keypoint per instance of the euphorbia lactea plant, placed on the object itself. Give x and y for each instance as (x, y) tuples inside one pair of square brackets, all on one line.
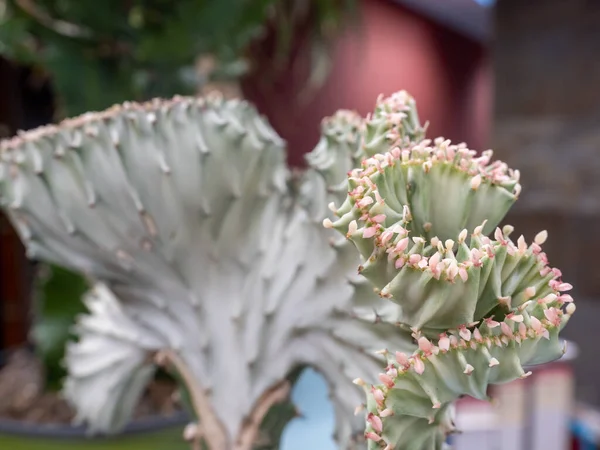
[(209, 258), (425, 217)]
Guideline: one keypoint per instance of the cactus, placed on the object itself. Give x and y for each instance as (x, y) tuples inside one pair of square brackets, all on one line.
[(337, 152), (395, 121), (208, 257), (424, 216)]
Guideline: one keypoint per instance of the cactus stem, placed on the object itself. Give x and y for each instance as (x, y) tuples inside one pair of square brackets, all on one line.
[(215, 435), (249, 432)]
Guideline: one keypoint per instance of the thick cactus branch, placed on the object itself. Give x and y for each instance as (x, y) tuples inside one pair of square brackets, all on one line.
[(212, 430), (249, 433), (480, 308), (462, 362)]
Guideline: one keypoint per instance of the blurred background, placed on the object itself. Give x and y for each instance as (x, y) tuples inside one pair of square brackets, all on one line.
[(518, 77)]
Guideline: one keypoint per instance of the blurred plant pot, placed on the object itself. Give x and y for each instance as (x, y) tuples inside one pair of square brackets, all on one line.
[(153, 433)]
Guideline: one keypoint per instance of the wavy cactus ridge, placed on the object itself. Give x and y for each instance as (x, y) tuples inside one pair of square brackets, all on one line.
[(440, 285), (415, 387), (337, 152), (446, 188), (110, 355), (394, 122)]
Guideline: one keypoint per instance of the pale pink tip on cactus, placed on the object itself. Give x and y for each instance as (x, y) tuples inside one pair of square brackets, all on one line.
[(375, 422), (373, 436), (425, 345), (386, 379), (378, 396), (386, 413), (418, 365), (522, 330), (506, 329), (554, 316), (464, 332), (402, 359), (491, 323), (444, 343), (369, 232), (541, 237), (514, 317), (352, 228), (359, 382)]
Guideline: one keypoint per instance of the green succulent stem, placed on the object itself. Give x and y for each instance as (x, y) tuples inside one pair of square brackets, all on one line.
[(210, 430), (424, 216)]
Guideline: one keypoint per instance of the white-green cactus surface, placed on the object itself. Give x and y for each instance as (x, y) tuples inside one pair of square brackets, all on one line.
[(201, 241)]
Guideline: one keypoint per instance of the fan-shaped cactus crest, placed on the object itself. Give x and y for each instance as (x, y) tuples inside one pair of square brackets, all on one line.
[(424, 215), (206, 252)]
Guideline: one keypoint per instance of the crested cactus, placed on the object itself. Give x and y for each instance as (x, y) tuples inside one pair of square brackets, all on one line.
[(424, 216), (337, 152), (208, 257)]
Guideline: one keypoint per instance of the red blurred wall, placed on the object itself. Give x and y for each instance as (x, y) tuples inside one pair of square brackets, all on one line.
[(392, 48)]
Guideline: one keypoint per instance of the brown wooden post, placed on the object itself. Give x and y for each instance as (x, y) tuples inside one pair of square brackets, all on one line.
[(14, 290)]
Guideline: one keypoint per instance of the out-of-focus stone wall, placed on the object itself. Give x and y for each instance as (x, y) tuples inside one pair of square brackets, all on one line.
[(547, 124)]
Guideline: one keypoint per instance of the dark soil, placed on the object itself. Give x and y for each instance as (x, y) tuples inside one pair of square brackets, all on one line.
[(23, 397)]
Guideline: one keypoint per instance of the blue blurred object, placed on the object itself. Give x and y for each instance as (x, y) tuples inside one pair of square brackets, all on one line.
[(584, 435), (486, 2), (314, 430)]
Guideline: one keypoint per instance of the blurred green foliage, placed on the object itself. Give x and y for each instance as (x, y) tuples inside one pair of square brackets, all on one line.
[(103, 52), (58, 302)]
